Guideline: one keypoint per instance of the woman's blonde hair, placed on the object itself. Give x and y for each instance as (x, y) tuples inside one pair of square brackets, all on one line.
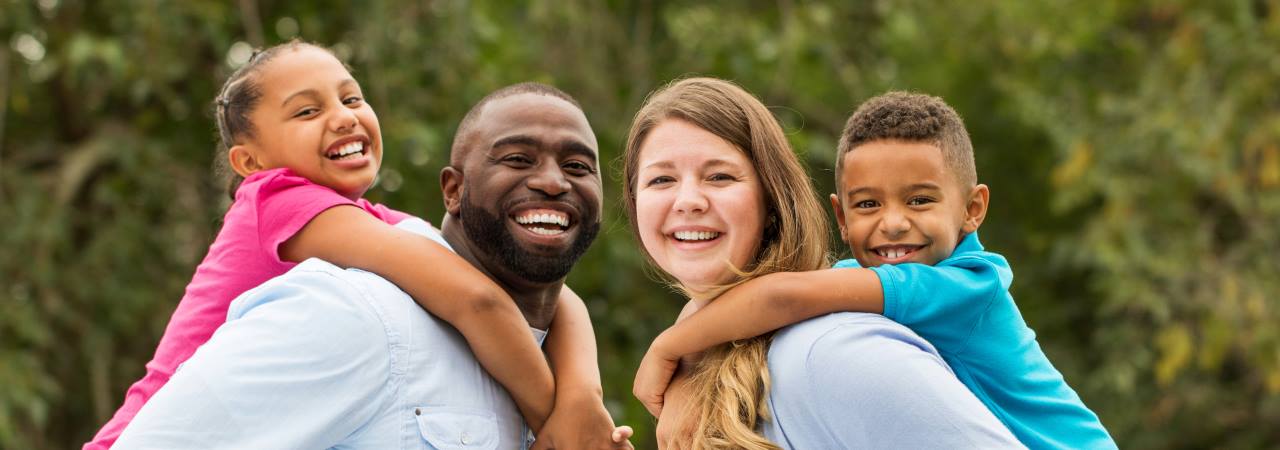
[(731, 382)]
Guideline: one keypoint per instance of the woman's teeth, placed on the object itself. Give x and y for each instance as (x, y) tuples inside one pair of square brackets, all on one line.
[(696, 235)]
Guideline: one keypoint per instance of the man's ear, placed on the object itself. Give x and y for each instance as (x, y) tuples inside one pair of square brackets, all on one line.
[(244, 161), (451, 188), (839, 211), (976, 210)]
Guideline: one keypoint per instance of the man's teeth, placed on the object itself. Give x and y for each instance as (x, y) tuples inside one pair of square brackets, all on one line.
[(554, 219), (696, 235), (354, 147), (545, 232)]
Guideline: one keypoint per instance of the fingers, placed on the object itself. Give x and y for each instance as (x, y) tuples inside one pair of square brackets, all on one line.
[(622, 433)]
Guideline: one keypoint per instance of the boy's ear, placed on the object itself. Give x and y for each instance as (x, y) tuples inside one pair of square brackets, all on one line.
[(244, 161), (839, 212), (451, 188), (976, 210)]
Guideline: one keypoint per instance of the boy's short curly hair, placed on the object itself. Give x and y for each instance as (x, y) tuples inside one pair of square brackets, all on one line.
[(911, 117)]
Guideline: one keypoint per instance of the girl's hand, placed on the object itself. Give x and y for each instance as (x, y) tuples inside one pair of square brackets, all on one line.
[(654, 376)]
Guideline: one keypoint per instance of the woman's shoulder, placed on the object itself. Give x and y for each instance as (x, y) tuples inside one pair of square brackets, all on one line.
[(846, 339)]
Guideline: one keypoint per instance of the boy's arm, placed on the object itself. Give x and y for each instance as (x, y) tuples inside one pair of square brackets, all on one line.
[(753, 308), (579, 419), (445, 285)]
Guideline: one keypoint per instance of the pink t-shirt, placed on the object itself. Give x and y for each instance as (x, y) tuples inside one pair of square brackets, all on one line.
[(269, 208)]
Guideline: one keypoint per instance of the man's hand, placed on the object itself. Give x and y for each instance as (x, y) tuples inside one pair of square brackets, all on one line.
[(580, 421), (653, 377)]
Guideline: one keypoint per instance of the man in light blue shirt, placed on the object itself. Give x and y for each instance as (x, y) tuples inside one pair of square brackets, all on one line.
[(322, 357)]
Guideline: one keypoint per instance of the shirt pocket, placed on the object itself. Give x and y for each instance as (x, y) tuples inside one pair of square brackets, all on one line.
[(450, 428)]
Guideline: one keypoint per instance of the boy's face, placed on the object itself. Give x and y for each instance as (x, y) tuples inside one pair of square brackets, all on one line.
[(898, 202)]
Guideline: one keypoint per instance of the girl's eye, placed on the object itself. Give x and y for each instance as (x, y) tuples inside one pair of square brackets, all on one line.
[(918, 201), (352, 101), (659, 180), (308, 111), (866, 204)]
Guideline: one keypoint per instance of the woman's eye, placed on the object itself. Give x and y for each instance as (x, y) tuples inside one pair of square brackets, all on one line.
[(660, 180), (866, 204), (721, 177)]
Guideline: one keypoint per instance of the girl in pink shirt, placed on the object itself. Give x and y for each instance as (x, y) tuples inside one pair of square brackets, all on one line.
[(305, 147)]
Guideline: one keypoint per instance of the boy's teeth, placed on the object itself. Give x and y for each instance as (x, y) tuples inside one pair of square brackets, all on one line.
[(696, 235)]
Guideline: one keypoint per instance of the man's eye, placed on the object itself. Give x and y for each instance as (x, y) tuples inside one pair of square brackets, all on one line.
[(518, 159), (866, 204), (579, 167)]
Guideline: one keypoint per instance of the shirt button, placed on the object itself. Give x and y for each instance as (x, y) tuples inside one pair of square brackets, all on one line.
[(466, 438), (417, 411)]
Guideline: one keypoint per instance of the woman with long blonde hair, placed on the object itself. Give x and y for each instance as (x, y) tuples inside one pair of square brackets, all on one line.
[(716, 197)]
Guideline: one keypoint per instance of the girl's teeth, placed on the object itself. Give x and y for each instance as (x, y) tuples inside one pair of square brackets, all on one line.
[(696, 235)]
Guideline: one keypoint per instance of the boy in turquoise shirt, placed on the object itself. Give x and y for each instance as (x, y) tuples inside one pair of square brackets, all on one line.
[(909, 206)]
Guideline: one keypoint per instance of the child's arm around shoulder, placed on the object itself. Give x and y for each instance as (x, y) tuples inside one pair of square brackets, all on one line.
[(445, 285), (753, 308)]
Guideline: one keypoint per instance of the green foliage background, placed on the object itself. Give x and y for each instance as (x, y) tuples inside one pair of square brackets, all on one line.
[(1132, 148)]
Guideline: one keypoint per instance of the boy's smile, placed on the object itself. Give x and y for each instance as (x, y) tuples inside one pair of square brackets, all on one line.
[(899, 202)]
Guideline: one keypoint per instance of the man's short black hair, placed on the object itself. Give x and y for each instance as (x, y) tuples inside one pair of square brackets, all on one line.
[(456, 152)]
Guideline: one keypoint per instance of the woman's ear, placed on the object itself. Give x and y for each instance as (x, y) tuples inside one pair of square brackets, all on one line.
[(451, 188), (244, 161), (976, 210)]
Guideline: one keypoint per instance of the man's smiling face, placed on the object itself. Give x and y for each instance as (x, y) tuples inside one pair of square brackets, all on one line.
[(531, 193)]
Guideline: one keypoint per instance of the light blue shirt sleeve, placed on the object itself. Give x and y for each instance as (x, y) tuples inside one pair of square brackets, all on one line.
[(852, 380), (301, 362)]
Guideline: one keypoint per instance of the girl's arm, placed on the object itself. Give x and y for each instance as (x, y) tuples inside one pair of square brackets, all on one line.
[(579, 419), (445, 285), (753, 308)]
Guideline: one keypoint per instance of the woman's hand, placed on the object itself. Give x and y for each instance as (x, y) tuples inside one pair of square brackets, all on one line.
[(654, 376), (676, 424), (580, 421)]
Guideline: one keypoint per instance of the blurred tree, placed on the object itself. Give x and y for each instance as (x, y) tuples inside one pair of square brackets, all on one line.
[(1133, 149)]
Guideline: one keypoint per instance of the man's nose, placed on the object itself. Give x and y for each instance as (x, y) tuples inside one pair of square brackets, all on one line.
[(690, 199), (549, 179)]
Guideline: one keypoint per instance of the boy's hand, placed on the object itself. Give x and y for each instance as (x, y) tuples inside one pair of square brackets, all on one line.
[(676, 424), (580, 421), (653, 377)]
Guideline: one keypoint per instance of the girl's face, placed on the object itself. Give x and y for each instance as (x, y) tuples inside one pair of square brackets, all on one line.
[(699, 204), (312, 119)]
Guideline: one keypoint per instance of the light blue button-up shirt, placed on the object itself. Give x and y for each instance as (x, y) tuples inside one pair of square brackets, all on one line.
[(322, 357), (853, 380)]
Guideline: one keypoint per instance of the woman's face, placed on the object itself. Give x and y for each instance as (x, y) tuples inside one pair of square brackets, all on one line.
[(699, 204)]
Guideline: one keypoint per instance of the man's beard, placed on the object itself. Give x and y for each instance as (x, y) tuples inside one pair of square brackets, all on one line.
[(489, 234)]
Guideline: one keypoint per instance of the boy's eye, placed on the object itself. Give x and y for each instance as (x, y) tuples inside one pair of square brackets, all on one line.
[(918, 201), (866, 204)]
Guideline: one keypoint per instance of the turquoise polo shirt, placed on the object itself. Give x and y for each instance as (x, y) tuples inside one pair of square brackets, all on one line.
[(963, 307)]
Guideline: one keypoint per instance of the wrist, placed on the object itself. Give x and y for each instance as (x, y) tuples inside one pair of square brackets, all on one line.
[(579, 393)]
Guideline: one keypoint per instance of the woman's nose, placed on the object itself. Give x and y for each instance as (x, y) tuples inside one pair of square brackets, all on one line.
[(690, 199)]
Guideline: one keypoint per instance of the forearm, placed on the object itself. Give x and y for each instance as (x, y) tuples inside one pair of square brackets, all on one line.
[(771, 302), (571, 345)]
